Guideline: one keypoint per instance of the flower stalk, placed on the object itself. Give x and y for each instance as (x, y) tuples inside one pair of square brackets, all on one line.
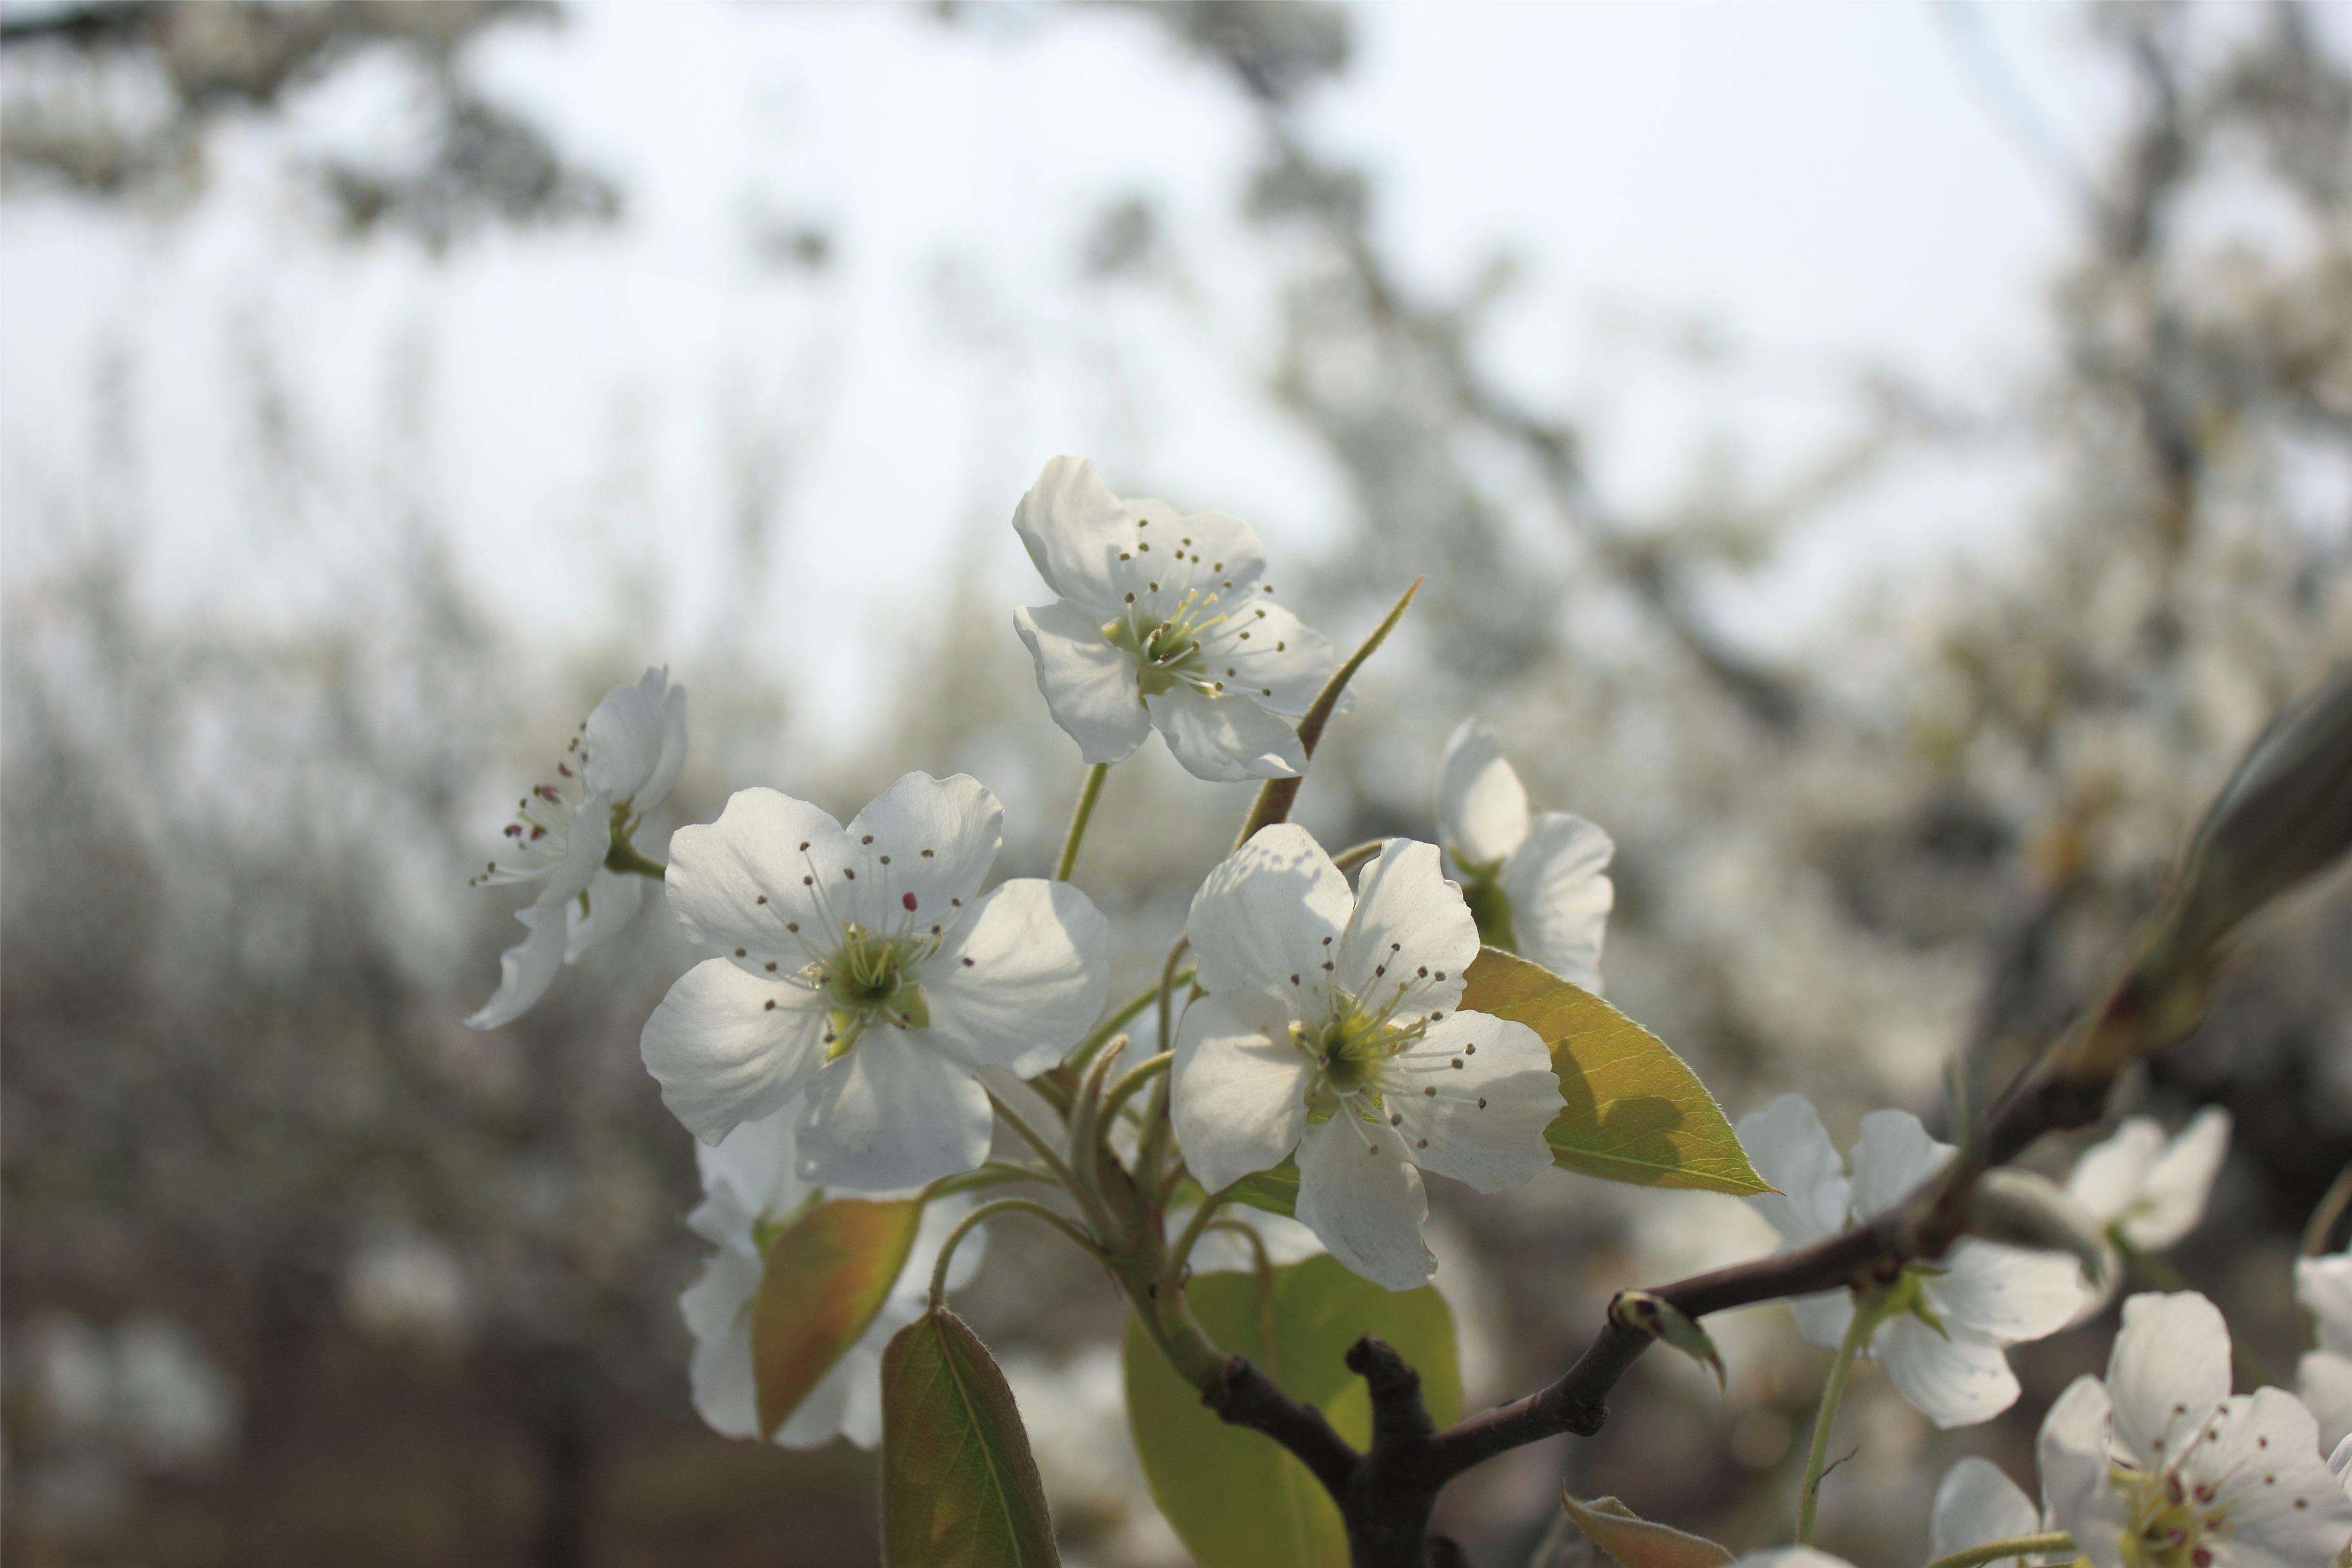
[(1869, 1312)]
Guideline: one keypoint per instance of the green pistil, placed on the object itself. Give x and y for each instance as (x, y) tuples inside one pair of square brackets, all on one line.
[(1349, 1049), (867, 982)]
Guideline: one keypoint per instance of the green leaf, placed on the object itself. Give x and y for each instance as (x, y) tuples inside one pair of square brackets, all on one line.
[(1274, 1190), (1635, 1112), (1235, 1498), (828, 1272), (1632, 1542), (959, 1486)]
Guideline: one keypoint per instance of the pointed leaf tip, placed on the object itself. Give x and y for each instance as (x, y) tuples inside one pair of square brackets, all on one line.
[(960, 1487), (1635, 1111), (1634, 1542)]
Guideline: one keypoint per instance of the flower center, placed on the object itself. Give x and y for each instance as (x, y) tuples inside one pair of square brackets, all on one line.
[(871, 978), (1350, 1046), (2171, 1523), (1167, 652)]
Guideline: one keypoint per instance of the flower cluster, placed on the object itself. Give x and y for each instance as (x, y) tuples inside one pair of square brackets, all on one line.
[(876, 1029), (1940, 1331)]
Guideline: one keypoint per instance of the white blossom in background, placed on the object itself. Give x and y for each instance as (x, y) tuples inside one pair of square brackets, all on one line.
[(1790, 1557), (1330, 1027), (2324, 1287), (1539, 884), (1978, 1505), (1162, 621), (1943, 1347), (2150, 1190), (863, 969), (621, 765), (2160, 1465), (751, 1189)]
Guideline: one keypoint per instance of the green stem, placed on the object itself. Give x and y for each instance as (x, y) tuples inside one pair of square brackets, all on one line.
[(995, 1173), (625, 858), (1116, 1022), (2158, 1271), (1130, 1084), (1867, 1312), (1182, 1251), (1087, 794), (987, 1212), (1355, 855), (1054, 1163), (2016, 1546)]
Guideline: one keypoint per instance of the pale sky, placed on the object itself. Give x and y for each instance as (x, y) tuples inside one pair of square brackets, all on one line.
[(1827, 184)]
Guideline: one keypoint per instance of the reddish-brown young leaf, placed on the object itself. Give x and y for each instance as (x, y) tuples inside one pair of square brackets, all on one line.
[(828, 1273)]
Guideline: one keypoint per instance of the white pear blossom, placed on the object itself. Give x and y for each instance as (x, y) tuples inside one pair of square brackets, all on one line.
[(1162, 621), (1978, 1505), (864, 968), (2324, 1286), (1942, 1344), (1330, 1026), (2161, 1466), (1539, 884), (749, 1191), (1790, 1557), (2146, 1189), (620, 766)]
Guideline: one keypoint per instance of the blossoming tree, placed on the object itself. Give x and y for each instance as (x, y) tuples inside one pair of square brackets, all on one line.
[(882, 1052)]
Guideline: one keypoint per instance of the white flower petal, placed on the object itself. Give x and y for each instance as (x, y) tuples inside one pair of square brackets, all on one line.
[(728, 1048), (2110, 1175), (1089, 682), (1560, 896), (672, 762), (2324, 1287), (613, 899), (743, 881), (747, 1177), (717, 1307), (1206, 554), (2073, 1454), (1823, 1318), (1977, 1505), (1263, 915), (1481, 807), (1228, 739), (1408, 918), (2262, 1457), (1955, 1378), (898, 1111), (1891, 1157), (2169, 1371), (2172, 1199), (1021, 981), (846, 1403), (1790, 1149), (933, 838), (2325, 1380), (2006, 1293), (1790, 1557), (624, 740), (525, 971), (1472, 1098), (1237, 1089), (1362, 1198), (1266, 654), (1073, 529)]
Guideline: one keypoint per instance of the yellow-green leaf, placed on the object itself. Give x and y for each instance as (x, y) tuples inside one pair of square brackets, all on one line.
[(1635, 1112), (1632, 1542), (1235, 1498), (1274, 1190), (828, 1272), (960, 1488)]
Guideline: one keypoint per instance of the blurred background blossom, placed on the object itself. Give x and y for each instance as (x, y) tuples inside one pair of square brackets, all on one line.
[(1880, 464)]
